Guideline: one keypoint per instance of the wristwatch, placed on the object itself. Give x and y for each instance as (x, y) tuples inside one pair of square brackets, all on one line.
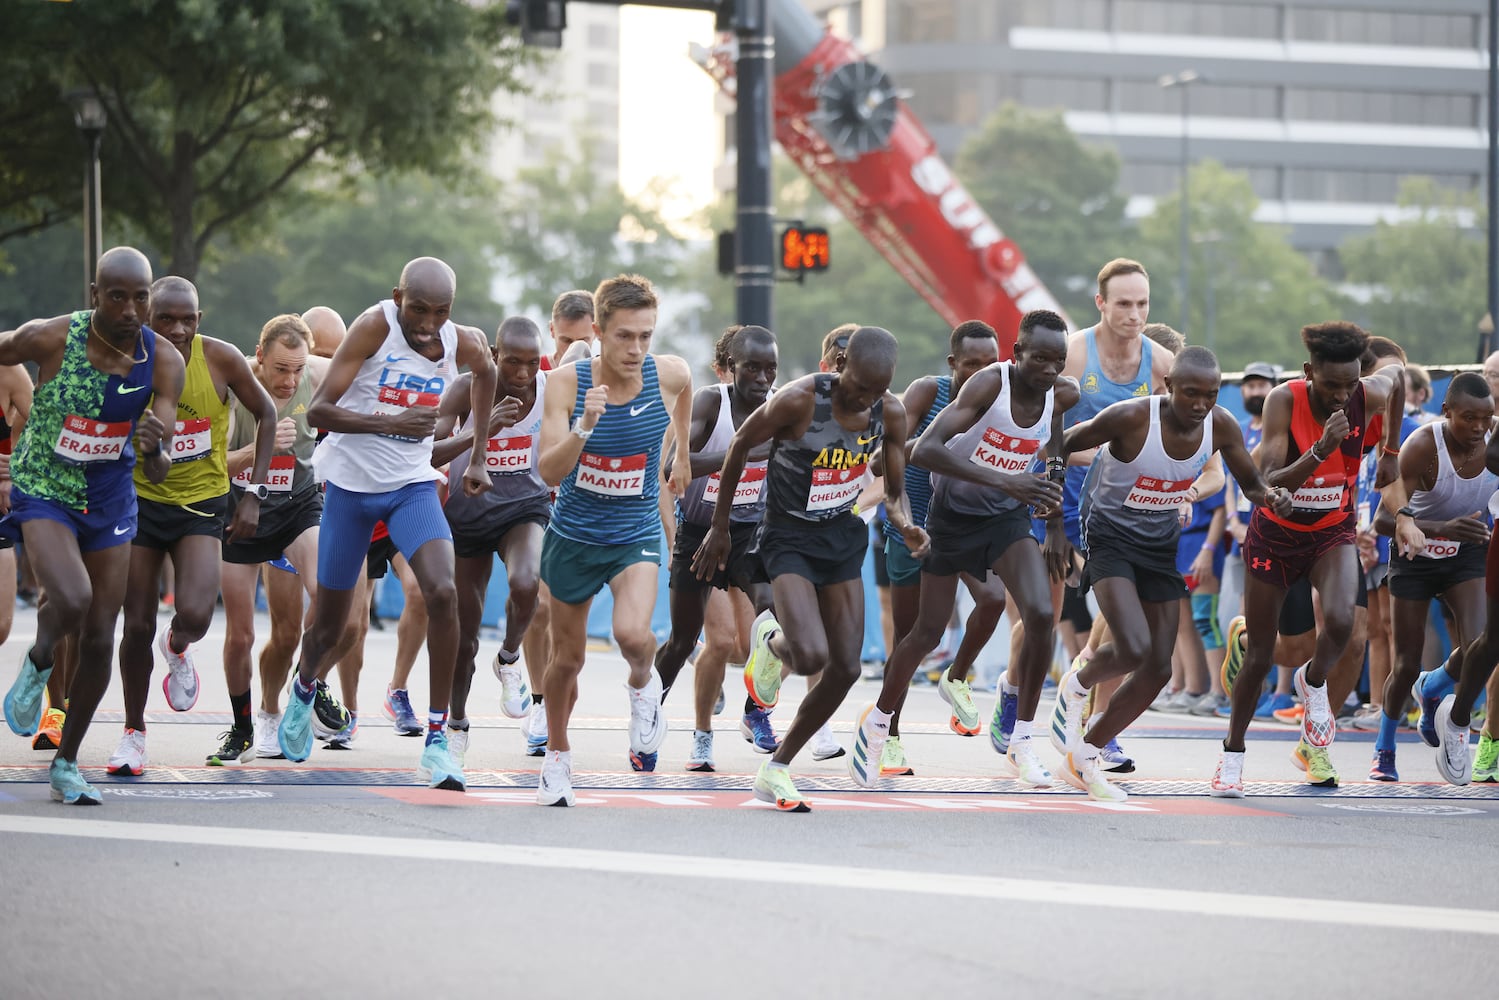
[(1407, 511), (258, 490), (582, 433)]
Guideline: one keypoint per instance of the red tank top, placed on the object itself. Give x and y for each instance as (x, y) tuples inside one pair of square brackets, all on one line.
[(1328, 496)]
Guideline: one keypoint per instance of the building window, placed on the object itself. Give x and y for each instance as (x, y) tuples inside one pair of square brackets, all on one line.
[(1183, 17), (1164, 178), (602, 36), (1220, 100), (1373, 27), (1071, 93), (1364, 186), (603, 75), (1382, 107)]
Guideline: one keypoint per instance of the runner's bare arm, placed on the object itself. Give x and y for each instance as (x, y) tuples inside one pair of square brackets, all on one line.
[(676, 390), (897, 507), (1387, 387), (40, 340), (15, 404), (1275, 443), (560, 448), (917, 400), (253, 397), (1077, 364), (1121, 424), (453, 408), (365, 336), (153, 432), (1160, 367), (930, 452), (474, 353), (1417, 459), (1229, 437), (705, 404), (1210, 480)]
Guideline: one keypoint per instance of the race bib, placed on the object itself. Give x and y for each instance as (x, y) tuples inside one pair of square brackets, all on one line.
[(1000, 451), (612, 477), (1320, 493), (1440, 548), (393, 401), (277, 478), (1157, 494), (505, 456), (83, 441), (746, 494), (835, 488), (191, 440)]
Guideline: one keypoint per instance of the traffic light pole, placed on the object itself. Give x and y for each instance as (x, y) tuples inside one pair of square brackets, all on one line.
[(754, 243)]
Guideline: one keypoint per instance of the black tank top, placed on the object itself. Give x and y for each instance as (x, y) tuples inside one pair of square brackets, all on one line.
[(819, 475)]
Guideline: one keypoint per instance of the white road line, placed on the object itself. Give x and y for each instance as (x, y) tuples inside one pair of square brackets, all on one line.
[(1393, 916)]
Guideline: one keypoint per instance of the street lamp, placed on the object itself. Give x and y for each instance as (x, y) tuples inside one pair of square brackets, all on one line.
[(90, 117), (1184, 81)]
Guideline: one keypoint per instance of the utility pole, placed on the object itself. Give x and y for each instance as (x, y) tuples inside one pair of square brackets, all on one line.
[(754, 242)]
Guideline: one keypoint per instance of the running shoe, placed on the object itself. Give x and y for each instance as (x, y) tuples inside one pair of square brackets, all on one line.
[(1382, 768), (1002, 723), (238, 745), (642, 761), (180, 685), (1028, 767), (1319, 726), (514, 694), (1068, 717), (1366, 719), (437, 766), (824, 745), (647, 720), (49, 736), (719, 704), (1316, 763), (1427, 707), (893, 760), (1228, 780), (773, 785), (1085, 774), (965, 714), (68, 786), (26, 698), (129, 758), (267, 725), (555, 787), (1273, 704), (1113, 759), (458, 745), (342, 739), (1210, 705), (329, 715), (397, 709), (294, 735), (702, 751), (1486, 761), (1159, 703), (865, 763), (1181, 703), (1233, 659), (762, 671), (757, 731), (534, 729), (1454, 762)]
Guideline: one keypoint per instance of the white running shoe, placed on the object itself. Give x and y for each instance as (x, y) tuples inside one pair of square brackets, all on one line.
[(1228, 780), (1068, 717), (458, 745), (534, 729), (556, 785), (1454, 760), (515, 696), (869, 747), (647, 721), (1319, 726), (825, 746), (267, 747), (702, 751), (1084, 773), (180, 685), (129, 757), (1028, 767)]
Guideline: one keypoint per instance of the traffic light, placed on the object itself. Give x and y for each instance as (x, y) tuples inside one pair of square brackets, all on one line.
[(540, 21), (805, 248)]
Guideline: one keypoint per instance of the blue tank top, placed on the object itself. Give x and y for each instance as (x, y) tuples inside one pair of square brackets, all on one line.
[(610, 496), (919, 481), (1099, 391)]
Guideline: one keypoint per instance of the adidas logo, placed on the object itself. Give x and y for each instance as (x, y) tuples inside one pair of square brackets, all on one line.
[(301, 408)]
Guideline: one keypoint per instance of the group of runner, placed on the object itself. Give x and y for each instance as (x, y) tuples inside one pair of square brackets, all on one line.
[(410, 439)]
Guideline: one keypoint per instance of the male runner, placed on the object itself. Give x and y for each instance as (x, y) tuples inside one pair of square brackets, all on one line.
[(183, 516), (717, 412), (1314, 435), (572, 329), (984, 452), (826, 429), (1152, 451), (508, 519), (72, 495), (601, 436), (328, 331), (16, 391), (379, 403)]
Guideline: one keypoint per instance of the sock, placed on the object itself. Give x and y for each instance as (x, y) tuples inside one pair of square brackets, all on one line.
[(459, 724), (777, 767), (1005, 686), (750, 706), (1386, 738), (1087, 751), (240, 710), (1022, 730), (436, 720), (1438, 684), (508, 657), (878, 719), (535, 698), (702, 732), (560, 757), (1075, 688), (304, 692)]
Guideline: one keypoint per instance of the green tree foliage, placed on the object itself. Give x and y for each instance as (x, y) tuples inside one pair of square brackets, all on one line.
[(1251, 290), (1056, 198), (215, 108), (1424, 274)]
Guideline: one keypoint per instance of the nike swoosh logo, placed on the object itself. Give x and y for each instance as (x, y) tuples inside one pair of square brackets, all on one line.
[(127, 390), (648, 552), (392, 359), (868, 439), (121, 531), (635, 411)]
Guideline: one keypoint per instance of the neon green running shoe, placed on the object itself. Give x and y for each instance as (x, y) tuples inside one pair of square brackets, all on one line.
[(773, 785), (1233, 661), (1486, 760), (762, 671), (1316, 763), (893, 759), (965, 714)]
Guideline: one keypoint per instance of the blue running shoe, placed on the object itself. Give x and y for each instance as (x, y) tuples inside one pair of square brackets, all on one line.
[(437, 767), (757, 731), (1277, 703), (1262, 707), (26, 698), (1383, 767), (1113, 758), (1426, 725), (68, 786), (294, 735), (642, 761), (397, 709), (1002, 725)]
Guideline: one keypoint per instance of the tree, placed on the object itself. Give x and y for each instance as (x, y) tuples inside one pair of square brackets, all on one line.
[(1252, 292), (1424, 273), (215, 108), (1056, 198)]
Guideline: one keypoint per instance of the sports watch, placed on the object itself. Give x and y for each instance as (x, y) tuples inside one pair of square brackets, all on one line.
[(258, 490)]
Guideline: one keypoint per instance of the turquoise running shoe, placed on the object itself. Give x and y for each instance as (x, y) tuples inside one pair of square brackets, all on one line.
[(438, 768), (68, 786), (294, 735), (27, 698)]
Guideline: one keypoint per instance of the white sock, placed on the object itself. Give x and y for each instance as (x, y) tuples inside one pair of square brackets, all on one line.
[(1022, 730), (777, 767), (1005, 685), (1075, 688), (560, 757), (878, 719)]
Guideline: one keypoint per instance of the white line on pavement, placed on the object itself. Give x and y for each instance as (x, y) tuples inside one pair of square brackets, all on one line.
[(1220, 904)]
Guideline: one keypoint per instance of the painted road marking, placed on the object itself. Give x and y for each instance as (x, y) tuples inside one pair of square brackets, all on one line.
[(1338, 912)]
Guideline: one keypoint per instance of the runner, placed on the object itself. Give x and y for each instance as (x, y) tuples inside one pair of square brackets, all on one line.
[(1444, 474), (1314, 432), (572, 329), (184, 516), (984, 452), (717, 412), (15, 406), (507, 520), (825, 428), (602, 430), (1152, 450), (379, 402), (72, 496), (328, 331)]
